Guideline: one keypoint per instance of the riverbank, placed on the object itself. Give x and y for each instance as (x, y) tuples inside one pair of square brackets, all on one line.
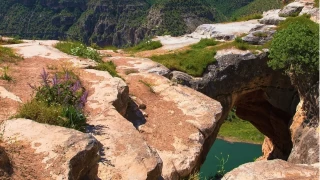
[(235, 129)]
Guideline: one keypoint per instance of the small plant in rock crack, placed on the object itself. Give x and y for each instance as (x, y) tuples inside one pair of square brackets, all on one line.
[(221, 167), (58, 101), (5, 75), (148, 85)]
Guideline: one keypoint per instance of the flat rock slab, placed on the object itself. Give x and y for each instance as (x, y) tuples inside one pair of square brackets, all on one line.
[(273, 169), (66, 153), (124, 154)]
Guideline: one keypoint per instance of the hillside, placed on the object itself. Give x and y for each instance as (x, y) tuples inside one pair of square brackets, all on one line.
[(116, 22)]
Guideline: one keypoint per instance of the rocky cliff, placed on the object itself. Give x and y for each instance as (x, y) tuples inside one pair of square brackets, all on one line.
[(118, 23)]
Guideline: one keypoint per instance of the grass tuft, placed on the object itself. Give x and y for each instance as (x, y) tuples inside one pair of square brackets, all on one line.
[(145, 45), (248, 17), (107, 66), (204, 43), (8, 56)]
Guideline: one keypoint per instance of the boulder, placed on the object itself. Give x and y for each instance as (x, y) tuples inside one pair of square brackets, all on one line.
[(271, 17), (273, 169), (292, 9), (67, 153), (259, 37), (124, 153), (180, 77)]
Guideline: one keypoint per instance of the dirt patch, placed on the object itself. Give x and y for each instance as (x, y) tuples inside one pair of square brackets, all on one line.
[(25, 162), (165, 121)]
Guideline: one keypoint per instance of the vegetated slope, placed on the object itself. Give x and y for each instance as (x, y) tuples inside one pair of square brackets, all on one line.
[(105, 22), (228, 7), (177, 17), (44, 19), (257, 6)]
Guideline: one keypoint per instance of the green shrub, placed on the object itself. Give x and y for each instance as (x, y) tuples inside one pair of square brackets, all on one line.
[(295, 48), (79, 49), (204, 43), (145, 45), (193, 61), (57, 102)]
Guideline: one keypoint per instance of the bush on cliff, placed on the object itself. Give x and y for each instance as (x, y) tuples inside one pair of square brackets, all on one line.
[(295, 48)]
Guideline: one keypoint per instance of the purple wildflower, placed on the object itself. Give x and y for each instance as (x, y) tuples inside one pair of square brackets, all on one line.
[(55, 80), (44, 75), (76, 86), (83, 99)]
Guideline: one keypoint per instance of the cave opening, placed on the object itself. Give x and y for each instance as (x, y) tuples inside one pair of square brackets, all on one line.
[(271, 115)]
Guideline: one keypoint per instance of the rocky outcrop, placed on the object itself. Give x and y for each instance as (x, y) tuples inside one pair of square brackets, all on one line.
[(262, 96), (292, 9), (274, 169), (168, 120), (124, 153), (224, 31), (305, 124), (259, 37), (67, 153), (271, 17)]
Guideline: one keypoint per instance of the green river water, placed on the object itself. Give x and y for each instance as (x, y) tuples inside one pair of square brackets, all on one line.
[(239, 153)]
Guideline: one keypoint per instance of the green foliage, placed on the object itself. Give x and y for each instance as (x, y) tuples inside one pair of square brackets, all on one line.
[(227, 7), (247, 17), (295, 48), (7, 55), (204, 43), (5, 75), (256, 7), (107, 66), (193, 61), (316, 3), (79, 49), (175, 11), (57, 102), (145, 45), (240, 130)]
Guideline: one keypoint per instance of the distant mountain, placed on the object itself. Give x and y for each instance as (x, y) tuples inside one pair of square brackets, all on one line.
[(112, 22)]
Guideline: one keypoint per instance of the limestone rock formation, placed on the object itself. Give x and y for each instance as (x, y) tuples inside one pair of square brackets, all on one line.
[(291, 9), (67, 153), (262, 96), (273, 169), (271, 17), (124, 154), (179, 120), (259, 37)]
